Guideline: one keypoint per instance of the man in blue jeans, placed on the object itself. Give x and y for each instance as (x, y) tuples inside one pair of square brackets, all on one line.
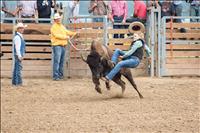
[(129, 59), (59, 38), (18, 51)]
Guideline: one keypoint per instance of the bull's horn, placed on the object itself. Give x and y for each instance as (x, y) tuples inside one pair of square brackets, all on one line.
[(136, 27), (83, 58)]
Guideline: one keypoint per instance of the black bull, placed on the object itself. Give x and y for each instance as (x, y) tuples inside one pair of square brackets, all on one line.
[(99, 63)]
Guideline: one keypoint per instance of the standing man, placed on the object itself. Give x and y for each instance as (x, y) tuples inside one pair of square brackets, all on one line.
[(59, 39), (140, 11), (98, 8), (44, 9), (10, 9), (167, 9), (28, 9), (73, 10), (119, 12), (195, 9), (18, 51)]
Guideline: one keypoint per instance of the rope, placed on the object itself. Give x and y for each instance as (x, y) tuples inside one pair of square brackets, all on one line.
[(74, 21), (171, 33), (77, 49), (85, 49)]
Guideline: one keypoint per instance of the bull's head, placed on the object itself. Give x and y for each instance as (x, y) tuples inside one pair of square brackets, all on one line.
[(94, 62), (98, 64)]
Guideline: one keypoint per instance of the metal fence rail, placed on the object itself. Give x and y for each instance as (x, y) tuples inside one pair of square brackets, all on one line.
[(84, 20), (186, 47)]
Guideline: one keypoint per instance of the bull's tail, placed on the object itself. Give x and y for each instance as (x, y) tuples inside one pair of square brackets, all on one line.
[(128, 75)]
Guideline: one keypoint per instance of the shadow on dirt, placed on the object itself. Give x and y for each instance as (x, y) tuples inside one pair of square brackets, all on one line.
[(116, 97)]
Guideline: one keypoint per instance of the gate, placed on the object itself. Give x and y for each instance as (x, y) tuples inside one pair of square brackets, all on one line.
[(153, 38), (102, 31), (37, 60), (180, 47)]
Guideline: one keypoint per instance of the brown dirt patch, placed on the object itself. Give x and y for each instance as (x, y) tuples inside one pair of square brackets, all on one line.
[(73, 106)]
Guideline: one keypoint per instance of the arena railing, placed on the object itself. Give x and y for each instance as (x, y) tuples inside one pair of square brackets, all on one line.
[(106, 30), (180, 46), (37, 61)]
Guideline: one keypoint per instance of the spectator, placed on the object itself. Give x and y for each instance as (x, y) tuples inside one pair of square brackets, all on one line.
[(167, 9), (28, 9), (59, 36), (195, 9), (59, 7), (2, 13), (52, 9), (152, 3), (44, 9), (18, 54), (118, 14), (182, 8), (73, 10), (10, 9), (98, 8), (140, 12)]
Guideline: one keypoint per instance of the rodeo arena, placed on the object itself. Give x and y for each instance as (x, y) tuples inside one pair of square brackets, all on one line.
[(100, 66)]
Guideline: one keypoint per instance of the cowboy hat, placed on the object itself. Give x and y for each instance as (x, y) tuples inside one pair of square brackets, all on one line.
[(20, 25), (56, 16), (136, 27)]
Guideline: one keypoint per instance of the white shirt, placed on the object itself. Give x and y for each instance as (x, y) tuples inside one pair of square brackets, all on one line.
[(73, 10), (17, 44)]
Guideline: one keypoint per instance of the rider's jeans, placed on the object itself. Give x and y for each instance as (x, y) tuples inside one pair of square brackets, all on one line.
[(130, 62)]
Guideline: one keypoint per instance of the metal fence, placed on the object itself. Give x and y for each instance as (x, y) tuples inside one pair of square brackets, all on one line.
[(168, 31), (155, 35)]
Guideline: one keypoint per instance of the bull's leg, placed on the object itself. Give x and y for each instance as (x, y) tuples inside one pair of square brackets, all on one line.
[(98, 89), (121, 83), (107, 85), (128, 76), (97, 84)]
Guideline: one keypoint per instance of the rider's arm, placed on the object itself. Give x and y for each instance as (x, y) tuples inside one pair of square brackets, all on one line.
[(147, 49), (135, 46)]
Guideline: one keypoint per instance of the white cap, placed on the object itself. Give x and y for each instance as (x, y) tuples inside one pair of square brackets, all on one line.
[(56, 16), (20, 25)]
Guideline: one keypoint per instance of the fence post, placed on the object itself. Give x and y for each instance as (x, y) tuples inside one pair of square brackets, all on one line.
[(163, 46), (68, 49), (105, 34), (159, 40), (152, 41), (155, 41)]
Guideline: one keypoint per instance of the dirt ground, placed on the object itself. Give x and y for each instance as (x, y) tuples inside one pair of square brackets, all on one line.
[(170, 105)]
